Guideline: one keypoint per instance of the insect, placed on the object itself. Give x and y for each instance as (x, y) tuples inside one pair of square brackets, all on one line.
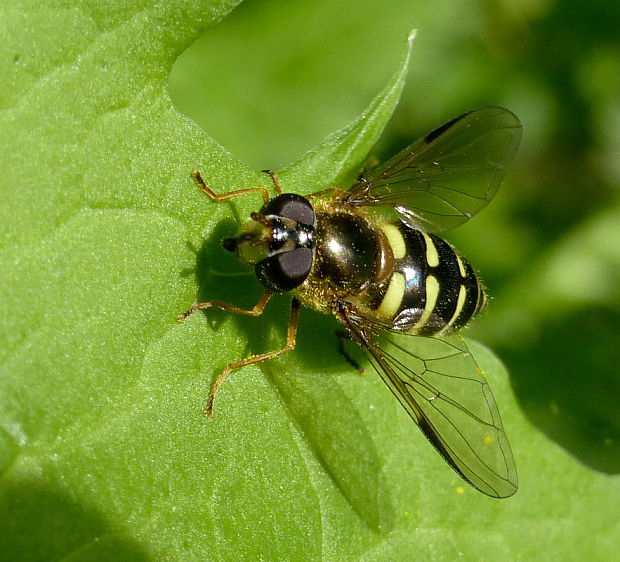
[(370, 256)]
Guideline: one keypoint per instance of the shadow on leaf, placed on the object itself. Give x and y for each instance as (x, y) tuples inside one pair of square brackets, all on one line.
[(329, 421), (567, 383), (334, 430), (39, 523)]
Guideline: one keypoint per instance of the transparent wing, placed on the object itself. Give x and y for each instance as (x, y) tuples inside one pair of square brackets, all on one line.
[(442, 388), (443, 179)]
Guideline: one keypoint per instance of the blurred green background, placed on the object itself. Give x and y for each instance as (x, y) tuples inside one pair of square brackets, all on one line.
[(276, 76)]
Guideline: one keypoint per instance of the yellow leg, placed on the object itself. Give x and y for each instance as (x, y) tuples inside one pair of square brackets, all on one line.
[(256, 311), (275, 180), (291, 337), (211, 194)]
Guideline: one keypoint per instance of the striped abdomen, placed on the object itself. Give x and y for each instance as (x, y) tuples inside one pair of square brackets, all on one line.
[(431, 291)]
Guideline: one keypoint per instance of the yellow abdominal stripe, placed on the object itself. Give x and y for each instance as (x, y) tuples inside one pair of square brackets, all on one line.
[(392, 301), (395, 239), (393, 296), (432, 257), (461, 266), (460, 303), (432, 293)]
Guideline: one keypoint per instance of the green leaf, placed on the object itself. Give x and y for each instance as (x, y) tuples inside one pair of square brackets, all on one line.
[(104, 451), (338, 159), (568, 327)]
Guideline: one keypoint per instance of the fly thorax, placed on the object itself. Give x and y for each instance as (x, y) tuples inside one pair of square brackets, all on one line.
[(346, 252)]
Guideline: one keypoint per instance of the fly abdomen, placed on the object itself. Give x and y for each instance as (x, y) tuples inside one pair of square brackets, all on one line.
[(432, 290)]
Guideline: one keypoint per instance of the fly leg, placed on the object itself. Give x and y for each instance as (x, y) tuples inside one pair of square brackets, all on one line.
[(222, 197), (256, 311), (291, 337), (275, 180)]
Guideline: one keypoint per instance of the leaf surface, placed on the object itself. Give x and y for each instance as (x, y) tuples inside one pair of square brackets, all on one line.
[(104, 450)]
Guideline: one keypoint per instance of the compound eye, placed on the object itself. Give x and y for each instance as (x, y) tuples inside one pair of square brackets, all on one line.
[(285, 271), (291, 206)]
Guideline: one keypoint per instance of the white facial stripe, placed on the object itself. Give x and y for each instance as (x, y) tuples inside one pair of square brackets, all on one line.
[(432, 293), (395, 239), (432, 257), (393, 297)]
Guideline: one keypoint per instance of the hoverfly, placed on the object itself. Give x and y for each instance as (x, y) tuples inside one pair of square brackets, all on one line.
[(399, 291)]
